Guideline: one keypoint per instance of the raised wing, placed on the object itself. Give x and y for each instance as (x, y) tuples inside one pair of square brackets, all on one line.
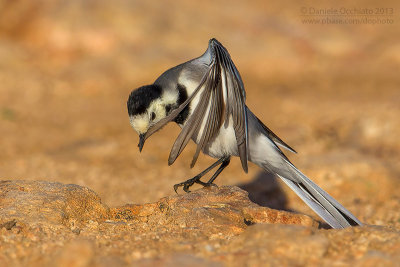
[(222, 101)]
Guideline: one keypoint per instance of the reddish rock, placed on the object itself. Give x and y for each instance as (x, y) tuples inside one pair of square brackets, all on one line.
[(225, 209), (44, 223), (45, 203)]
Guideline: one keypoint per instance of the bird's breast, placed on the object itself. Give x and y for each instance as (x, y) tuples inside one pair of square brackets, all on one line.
[(224, 143)]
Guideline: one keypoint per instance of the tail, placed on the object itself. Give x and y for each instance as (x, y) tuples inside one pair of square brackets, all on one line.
[(264, 152), (318, 200)]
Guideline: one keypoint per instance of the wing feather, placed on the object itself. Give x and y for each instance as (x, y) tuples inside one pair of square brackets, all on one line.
[(191, 128), (214, 121), (222, 96), (236, 103)]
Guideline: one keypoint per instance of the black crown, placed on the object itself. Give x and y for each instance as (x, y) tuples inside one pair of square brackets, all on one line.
[(140, 99)]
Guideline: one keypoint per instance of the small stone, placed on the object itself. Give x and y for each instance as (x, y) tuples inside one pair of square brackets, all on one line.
[(8, 225)]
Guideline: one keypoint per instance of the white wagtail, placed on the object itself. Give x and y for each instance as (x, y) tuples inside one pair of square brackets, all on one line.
[(206, 98)]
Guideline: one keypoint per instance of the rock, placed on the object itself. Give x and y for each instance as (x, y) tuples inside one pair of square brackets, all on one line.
[(226, 210), (39, 210), (40, 202), (47, 224)]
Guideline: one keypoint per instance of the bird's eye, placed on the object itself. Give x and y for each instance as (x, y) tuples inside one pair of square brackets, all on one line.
[(153, 116)]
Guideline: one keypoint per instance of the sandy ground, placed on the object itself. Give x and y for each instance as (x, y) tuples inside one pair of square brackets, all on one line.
[(330, 91)]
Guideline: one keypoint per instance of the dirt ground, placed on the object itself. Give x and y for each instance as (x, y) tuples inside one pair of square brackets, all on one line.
[(331, 91)]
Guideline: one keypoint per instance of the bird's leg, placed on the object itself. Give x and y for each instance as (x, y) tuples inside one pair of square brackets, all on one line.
[(187, 184), (224, 164)]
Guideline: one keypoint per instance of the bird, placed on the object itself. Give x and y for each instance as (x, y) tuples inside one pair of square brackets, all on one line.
[(205, 96)]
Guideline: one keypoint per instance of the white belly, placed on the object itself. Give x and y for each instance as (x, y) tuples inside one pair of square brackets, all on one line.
[(224, 144)]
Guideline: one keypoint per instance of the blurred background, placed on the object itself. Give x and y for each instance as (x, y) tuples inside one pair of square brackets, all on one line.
[(331, 91)]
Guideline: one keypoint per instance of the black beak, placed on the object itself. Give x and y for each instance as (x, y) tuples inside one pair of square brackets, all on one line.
[(141, 142)]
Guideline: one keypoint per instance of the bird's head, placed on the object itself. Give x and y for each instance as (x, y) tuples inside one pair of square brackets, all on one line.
[(147, 105)]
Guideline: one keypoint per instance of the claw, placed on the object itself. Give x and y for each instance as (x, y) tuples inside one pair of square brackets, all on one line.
[(176, 188), (187, 184)]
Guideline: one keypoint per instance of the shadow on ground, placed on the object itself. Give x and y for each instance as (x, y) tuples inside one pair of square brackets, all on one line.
[(265, 190)]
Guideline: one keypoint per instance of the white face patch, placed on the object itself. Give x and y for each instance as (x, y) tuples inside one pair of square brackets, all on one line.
[(155, 112), (158, 108), (140, 123)]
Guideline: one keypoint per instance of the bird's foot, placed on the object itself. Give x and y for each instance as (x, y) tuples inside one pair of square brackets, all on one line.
[(188, 183)]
